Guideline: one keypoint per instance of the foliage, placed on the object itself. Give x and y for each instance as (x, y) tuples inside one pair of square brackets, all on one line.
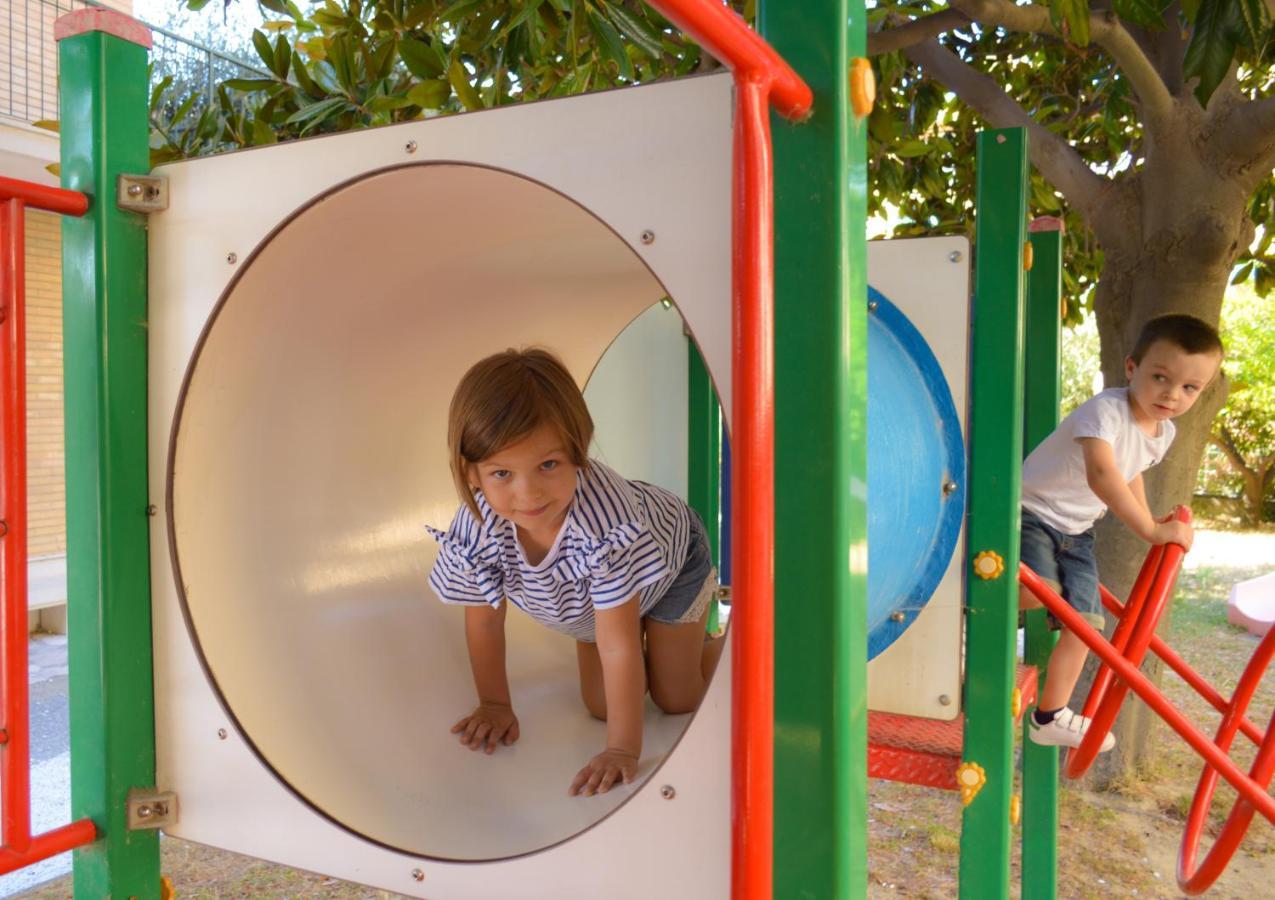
[(1245, 428), (362, 63), (1080, 374), (922, 137)]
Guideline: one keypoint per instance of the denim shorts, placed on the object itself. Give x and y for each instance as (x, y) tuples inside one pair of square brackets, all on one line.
[(1066, 560), (686, 598)]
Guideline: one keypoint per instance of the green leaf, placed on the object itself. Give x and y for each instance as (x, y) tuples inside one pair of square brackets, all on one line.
[(911, 149), (305, 81), (459, 78), (158, 90), (386, 104), (1147, 13), (1212, 47), (196, 5), (430, 94), (457, 11), (1190, 9), (1256, 19), (610, 44), (262, 45), (282, 58), (250, 84), (262, 133), (1071, 17), (531, 8), (637, 30), (278, 6), (316, 112), (420, 58)]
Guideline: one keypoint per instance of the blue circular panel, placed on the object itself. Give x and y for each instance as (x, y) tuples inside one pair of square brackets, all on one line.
[(914, 449)]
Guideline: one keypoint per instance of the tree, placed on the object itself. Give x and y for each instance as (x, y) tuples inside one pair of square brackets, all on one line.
[(1245, 429)]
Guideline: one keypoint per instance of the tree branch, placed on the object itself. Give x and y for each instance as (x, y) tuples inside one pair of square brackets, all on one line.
[(1054, 157), (1224, 442), (914, 31), (1105, 30), (1245, 138)]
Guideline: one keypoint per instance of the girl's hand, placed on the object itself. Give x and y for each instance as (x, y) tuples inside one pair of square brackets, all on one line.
[(603, 771), (490, 724)]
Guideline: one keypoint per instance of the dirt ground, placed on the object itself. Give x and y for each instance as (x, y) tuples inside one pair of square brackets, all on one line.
[(1121, 842)]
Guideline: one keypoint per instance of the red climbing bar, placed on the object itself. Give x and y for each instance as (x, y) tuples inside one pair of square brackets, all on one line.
[(761, 78), (20, 848), (1250, 790)]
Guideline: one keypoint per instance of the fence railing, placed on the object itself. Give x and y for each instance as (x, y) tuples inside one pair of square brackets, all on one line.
[(29, 78)]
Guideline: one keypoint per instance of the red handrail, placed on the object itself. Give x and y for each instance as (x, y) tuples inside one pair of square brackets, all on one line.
[(20, 848), (762, 78)]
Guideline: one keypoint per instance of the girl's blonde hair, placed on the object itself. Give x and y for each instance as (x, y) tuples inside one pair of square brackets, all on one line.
[(504, 398)]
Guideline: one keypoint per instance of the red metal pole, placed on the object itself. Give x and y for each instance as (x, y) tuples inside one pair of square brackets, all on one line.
[(39, 196), (15, 764)]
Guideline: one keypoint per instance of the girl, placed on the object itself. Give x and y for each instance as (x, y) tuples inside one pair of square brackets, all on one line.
[(580, 549)]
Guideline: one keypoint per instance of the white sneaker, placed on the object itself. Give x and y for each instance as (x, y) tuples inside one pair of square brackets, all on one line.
[(1066, 730)]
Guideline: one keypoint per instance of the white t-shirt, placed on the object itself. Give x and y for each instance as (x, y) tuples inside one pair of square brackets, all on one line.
[(1055, 486)]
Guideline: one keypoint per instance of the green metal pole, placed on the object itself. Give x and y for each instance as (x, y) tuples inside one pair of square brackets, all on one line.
[(704, 456), (820, 461), (1040, 417), (105, 133), (996, 440)]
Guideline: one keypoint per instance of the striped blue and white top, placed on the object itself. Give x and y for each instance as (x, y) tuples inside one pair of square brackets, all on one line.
[(620, 539)]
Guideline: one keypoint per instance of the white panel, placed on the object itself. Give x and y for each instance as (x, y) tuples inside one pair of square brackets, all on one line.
[(361, 327), (637, 396), (928, 279)]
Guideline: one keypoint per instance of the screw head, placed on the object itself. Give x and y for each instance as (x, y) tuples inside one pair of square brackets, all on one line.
[(410, 147), (954, 256), (135, 190), (949, 487), (945, 700), (897, 616), (418, 875), (221, 734), (152, 510), (668, 792), (648, 237), (232, 258), (872, 305)]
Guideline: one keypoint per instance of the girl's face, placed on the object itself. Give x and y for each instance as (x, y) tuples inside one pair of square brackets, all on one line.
[(530, 482)]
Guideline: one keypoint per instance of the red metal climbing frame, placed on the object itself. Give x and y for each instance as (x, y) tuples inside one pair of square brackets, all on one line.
[(762, 78), (1134, 635), (20, 848)]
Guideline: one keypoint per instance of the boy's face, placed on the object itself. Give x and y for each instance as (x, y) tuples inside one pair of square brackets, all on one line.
[(1169, 380)]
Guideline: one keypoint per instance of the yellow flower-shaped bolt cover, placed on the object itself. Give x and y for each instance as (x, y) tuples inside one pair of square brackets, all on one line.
[(1015, 809), (971, 778), (166, 891), (988, 565), (1028, 255), (1016, 703), (863, 86)]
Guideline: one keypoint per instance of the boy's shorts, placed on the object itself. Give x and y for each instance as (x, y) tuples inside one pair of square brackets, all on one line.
[(1066, 560)]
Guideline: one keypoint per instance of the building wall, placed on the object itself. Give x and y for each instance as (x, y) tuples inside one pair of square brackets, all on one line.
[(46, 487)]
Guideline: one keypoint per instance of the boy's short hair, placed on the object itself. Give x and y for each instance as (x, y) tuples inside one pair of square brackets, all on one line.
[(1188, 333), (505, 397)]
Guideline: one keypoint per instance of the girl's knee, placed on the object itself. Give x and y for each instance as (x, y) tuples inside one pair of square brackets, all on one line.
[(596, 705), (675, 701)]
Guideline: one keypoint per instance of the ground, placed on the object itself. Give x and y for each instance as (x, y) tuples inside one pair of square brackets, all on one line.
[(1115, 843)]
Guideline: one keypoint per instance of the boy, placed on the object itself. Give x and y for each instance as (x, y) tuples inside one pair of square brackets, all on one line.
[(1092, 463)]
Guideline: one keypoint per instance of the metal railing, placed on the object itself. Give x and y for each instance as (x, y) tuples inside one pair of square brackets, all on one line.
[(29, 80)]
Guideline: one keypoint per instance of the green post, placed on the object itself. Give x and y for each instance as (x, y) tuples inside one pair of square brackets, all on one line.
[(820, 461), (1040, 417), (996, 440), (105, 133), (704, 456)]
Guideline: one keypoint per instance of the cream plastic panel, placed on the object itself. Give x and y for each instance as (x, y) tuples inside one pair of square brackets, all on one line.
[(311, 454), (928, 279)]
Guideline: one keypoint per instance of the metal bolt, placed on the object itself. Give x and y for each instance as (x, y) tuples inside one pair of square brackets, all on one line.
[(1000, 138), (648, 237), (418, 875), (221, 734), (152, 510), (945, 700), (667, 792), (897, 616), (954, 256), (949, 487), (872, 305), (410, 147), (232, 258), (135, 190), (150, 810)]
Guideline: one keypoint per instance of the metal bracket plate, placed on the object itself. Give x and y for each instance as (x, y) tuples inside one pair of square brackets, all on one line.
[(141, 193), (149, 808)]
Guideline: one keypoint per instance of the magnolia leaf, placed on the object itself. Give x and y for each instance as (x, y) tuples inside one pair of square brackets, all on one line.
[(1212, 47), (1071, 18), (430, 94), (278, 6), (610, 44), (1255, 17), (262, 45), (420, 58), (911, 149), (1148, 13), (319, 110), (637, 30), (459, 78)]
